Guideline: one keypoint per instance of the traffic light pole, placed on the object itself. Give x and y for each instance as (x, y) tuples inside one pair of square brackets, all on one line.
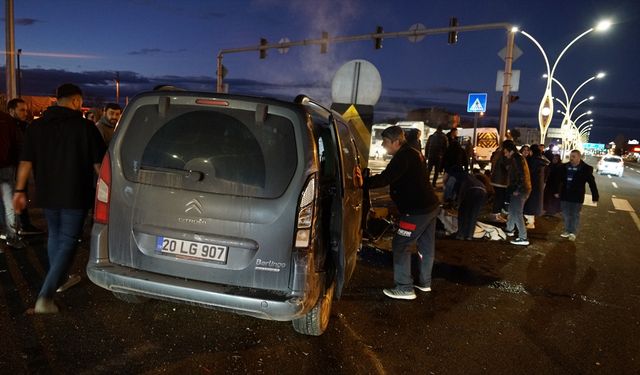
[(377, 37)]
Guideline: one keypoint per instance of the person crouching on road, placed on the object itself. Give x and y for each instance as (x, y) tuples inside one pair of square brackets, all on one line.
[(418, 204), (471, 197), (575, 174), (518, 191)]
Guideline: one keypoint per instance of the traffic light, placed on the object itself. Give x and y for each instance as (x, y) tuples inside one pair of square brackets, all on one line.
[(453, 35), (263, 52), (325, 42), (513, 98), (378, 40)]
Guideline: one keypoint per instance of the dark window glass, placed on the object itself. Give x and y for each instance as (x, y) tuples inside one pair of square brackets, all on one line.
[(219, 151)]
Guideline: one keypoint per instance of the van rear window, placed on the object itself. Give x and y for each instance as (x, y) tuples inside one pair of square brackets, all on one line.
[(216, 150)]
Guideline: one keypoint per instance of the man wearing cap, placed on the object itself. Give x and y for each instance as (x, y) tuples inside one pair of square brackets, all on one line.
[(63, 149)]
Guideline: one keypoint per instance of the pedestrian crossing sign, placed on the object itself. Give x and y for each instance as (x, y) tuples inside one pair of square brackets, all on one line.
[(477, 102)]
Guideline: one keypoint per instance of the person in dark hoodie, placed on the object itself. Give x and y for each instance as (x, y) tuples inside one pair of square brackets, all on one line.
[(551, 202), (518, 190), (471, 198), (418, 204), (575, 174), (63, 149), (8, 162), (434, 150)]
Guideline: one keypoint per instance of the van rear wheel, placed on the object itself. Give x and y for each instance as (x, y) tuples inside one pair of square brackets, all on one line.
[(130, 298), (316, 321)]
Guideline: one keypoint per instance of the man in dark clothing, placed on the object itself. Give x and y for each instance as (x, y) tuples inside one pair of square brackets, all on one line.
[(107, 123), (419, 207), (518, 190), (63, 149), (413, 137), (17, 109), (8, 162), (499, 181), (539, 171), (434, 152), (575, 174)]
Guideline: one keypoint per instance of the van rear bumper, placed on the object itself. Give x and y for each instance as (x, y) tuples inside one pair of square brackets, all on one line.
[(259, 303)]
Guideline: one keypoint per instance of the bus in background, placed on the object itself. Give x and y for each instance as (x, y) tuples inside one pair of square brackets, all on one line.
[(486, 143)]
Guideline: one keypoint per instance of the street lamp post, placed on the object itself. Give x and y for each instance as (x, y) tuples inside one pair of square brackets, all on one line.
[(545, 112)]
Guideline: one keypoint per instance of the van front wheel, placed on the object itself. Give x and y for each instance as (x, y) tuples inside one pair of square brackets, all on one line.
[(316, 321)]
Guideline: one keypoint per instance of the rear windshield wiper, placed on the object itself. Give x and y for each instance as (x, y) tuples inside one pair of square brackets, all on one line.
[(187, 174)]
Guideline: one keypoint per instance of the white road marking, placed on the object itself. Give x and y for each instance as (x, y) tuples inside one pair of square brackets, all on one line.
[(609, 176), (614, 184), (588, 201), (622, 205)]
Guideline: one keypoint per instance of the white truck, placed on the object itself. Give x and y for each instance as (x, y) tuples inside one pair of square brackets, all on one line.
[(487, 140)]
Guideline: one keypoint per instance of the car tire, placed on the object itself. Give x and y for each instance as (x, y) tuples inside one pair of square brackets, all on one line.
[(316, 321), (130, 298)]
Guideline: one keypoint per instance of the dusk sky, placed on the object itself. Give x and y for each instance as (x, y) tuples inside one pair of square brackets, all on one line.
[(151, 42)]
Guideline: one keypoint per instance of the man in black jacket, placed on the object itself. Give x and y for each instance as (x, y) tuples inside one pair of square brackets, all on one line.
[(63, 149), (434, 152), (419, 207), (518, 190), (575, 174)]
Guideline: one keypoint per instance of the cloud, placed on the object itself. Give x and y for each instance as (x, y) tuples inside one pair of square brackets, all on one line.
[(154, 51), (24, 21), (99, 86)]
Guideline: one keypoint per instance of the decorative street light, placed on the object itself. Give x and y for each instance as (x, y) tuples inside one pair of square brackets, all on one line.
[(545, 112)]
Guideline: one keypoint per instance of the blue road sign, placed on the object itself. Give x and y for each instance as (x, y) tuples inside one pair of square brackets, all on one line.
[(477, 102)]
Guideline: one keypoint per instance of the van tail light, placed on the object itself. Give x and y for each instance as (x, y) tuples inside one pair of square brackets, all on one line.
[(103, 192), (304, 224)]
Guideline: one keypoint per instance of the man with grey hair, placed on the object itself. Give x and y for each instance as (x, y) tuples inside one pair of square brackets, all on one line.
[(406, 174), (575, 174)]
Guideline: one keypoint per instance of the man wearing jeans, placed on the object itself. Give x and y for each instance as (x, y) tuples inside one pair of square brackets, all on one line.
[(8, 161), (63, 149), (518, 191), (575, 174), (419, 207)]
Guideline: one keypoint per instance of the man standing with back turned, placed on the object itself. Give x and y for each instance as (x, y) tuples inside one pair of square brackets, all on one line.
[(63, 149), (406, 174)]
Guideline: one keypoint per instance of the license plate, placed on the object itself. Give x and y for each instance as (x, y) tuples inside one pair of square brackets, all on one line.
[(192, 250)]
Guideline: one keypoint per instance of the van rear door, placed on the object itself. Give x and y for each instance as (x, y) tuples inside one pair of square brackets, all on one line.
[(207, 188)]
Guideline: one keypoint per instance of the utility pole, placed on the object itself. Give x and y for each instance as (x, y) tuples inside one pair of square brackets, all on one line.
[(19, 75), (506, 88), (117, 87), (10, 51)]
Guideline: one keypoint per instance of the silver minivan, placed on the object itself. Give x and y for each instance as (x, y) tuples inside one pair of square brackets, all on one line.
[(238, 203)]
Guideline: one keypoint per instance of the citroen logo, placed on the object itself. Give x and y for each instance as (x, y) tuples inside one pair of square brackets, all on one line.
[(193, 205)]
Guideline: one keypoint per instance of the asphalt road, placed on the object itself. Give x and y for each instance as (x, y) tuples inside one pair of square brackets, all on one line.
[(554, 307)]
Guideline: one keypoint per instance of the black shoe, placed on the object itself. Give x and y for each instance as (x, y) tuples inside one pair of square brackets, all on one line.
[(16, 243), (30, 230)]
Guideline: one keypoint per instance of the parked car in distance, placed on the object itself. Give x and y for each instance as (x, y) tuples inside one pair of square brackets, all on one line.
[(244, 204), (611, 164)]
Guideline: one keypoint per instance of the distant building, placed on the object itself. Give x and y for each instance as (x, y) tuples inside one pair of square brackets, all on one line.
[(531, 136), (434, 117)]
